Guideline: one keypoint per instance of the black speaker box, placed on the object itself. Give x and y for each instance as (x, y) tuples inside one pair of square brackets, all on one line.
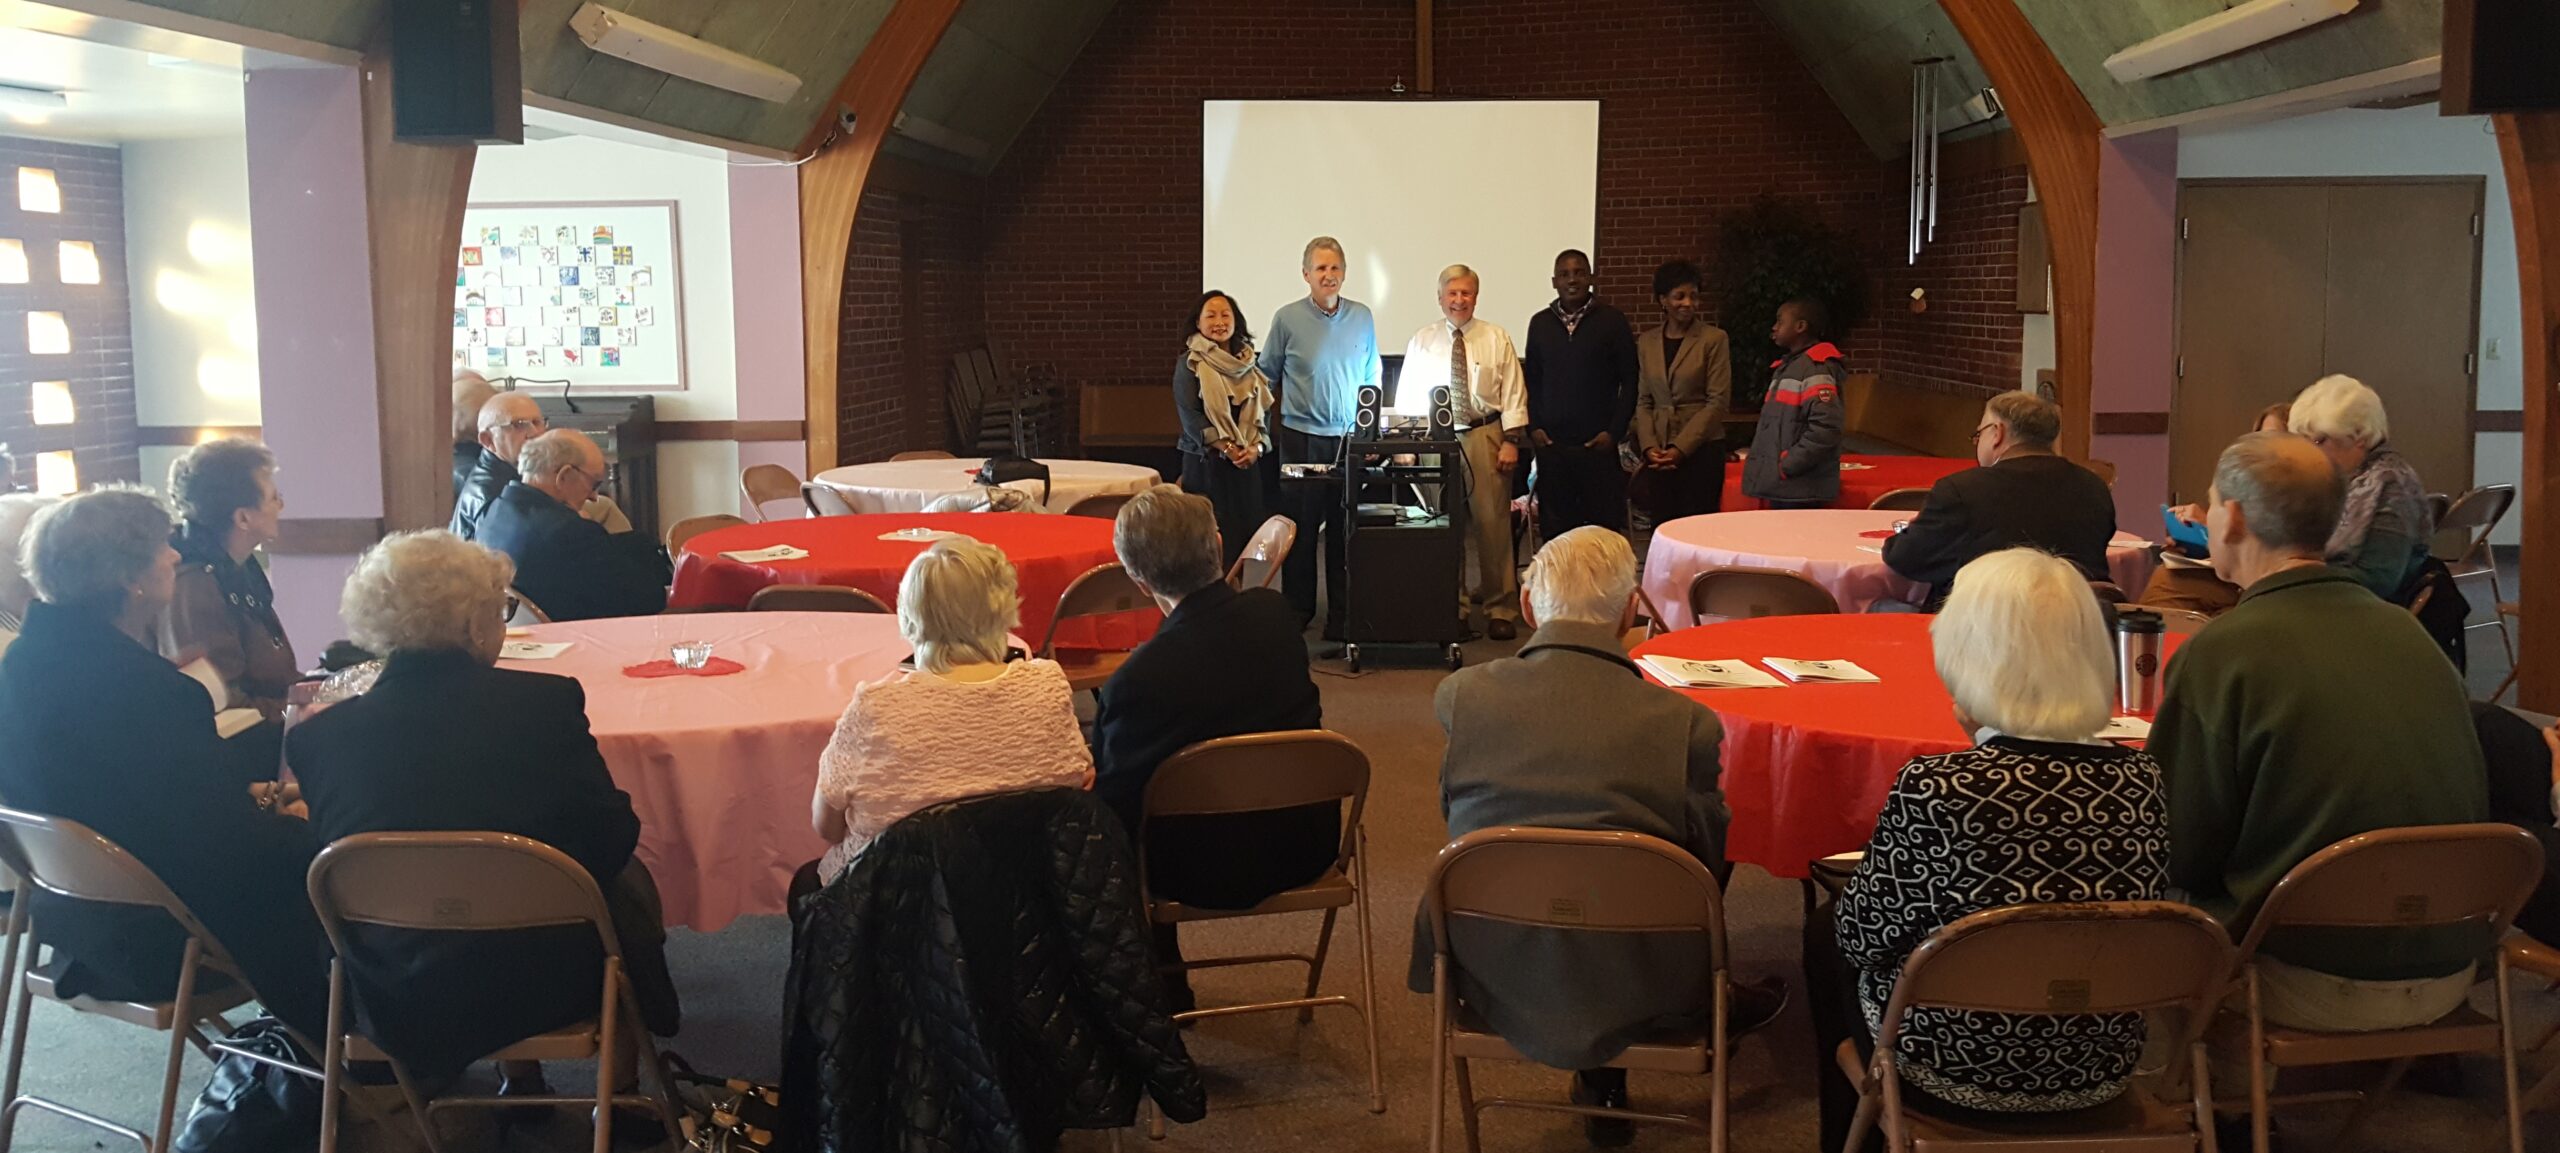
[(1404, 584), (1364, 420), (2501, 56), (457, 72), (1444, 413)]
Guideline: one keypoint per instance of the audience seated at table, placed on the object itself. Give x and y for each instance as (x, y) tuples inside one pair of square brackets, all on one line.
[(224, 611), (101, 730), (1568, 734), (2038, 810), (576, 554), (972, 718), (470, 391), (2522, 787), (446, 741), (2194, 587), (2024, 494), (2311, 712), (2381, 534), (1224, 663), (508, 421), (16, 509)]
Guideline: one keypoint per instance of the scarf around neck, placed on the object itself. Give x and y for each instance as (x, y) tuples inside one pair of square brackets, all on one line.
[(1233, 391)]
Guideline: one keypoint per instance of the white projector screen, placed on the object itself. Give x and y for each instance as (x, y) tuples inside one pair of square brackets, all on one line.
[(1409, 188)]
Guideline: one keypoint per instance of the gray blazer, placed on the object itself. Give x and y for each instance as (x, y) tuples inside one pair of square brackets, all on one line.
[(1569, 735), (1683, 404)]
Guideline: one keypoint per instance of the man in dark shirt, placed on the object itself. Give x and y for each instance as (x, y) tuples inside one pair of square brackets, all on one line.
[(576, 554), (1580, 366), (2022, 495), (507, 423)]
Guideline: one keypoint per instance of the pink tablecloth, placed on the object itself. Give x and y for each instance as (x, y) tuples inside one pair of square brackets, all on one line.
[(720, 768), (1824, 544)]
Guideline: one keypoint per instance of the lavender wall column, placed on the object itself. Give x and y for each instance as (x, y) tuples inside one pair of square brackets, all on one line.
[(764, 263), (2135, 347)]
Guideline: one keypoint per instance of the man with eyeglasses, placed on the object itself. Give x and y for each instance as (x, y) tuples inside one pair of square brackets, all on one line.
[(2023, 494), (507, 422), (573, 566)]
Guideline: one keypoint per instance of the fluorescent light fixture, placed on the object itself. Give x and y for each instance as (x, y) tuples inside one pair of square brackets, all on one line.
[(79, 262), (942, 136), (13, 262), (47, 335), (52, 402), (2242, 26), (57, 473), (38, 191), (676, 54)]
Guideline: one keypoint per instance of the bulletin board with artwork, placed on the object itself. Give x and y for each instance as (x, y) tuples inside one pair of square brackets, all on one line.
[(589, 293)]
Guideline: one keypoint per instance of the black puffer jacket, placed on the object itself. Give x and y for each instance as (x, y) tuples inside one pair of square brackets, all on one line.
[(979, 981)]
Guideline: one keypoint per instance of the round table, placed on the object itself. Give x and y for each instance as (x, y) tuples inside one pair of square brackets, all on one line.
[(720, 768), (1047, 552), (1840, 549), (1807, 766), (910, 485), (1859, 486)]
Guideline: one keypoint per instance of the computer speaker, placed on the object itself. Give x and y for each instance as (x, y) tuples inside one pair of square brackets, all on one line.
[(1444, 413), (457, 72), (1364, 423)]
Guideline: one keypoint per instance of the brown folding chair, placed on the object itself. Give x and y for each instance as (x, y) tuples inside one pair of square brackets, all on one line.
[(921, 454), (1101, 506), (694, 526), (1575, 880), (1259, 773), (1900, 500), (1648, 624), (1258, 566), (824, 500), (2055, 960), (67, 858), (475, 882), (2437, 876), (2109, 592), (2183, 622), (2469, 520), (1101, 591), (521, 611), (1735, 592), (2542, 962), (815, 599), (765, 483)]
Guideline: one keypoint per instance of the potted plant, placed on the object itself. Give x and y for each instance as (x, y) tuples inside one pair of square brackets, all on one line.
[(1767, 254)]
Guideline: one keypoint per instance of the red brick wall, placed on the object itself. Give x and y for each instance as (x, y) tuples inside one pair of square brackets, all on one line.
[(913, 296), (99, 367), (1969, 339)]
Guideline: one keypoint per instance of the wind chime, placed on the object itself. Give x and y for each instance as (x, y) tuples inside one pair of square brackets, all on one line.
[(1922, 217)]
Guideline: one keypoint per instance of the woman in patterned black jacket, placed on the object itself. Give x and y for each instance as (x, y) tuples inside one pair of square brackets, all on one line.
[(2039, 810)]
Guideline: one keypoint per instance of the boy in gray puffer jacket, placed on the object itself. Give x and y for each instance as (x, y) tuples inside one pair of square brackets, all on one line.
[(1795, 450)]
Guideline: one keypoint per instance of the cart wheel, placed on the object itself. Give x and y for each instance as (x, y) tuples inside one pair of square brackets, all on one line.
[(1457, 658), (1351, 657)]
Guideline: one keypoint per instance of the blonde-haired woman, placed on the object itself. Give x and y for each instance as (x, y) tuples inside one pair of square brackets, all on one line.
[(2038, 810), (966, 722)]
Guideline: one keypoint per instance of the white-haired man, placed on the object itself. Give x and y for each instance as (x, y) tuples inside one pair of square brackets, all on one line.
[(470, 391), (1569, 734), (570, 563), (1318, 353), (1477, 362), (508, 422)]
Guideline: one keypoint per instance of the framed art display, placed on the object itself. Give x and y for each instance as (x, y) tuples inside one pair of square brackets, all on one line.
[(589, 293)]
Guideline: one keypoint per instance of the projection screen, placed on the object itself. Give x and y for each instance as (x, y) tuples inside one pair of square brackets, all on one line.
[(1409, 187)]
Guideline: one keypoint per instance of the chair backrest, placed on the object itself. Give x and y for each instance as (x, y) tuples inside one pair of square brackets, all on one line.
[(1101, 591), (1575, 879), (694, 526), (1900, 500), (824, 500), (1258, 772), (453, 881), (815, 599), (2045, 960), (2183, 622), (921, 454), (522, 611), (766, 482), (2109, 592), (66, 857), (1258, 566), (2415, 877), (1101, 506), (2473, 516), (1743, 593), (1652, 625)]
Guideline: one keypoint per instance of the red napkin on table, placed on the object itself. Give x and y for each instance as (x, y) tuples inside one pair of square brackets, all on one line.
[(1878, 534), (715, 667)]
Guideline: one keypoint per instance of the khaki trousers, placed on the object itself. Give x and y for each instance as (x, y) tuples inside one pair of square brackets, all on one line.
[(1489, 576)]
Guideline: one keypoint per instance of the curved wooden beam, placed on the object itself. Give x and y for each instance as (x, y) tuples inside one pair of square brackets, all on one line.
[(2530, 144), (831, 184), (2053, 119), (414, 197)]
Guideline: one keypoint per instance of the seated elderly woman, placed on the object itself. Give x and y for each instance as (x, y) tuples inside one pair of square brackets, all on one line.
[(103, 731), (969, 720), (224, 610), (16, 509), (2381, 538), (2039, 810), (444, 740)]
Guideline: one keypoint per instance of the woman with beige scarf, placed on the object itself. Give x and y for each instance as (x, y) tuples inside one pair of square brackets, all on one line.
[(1223, 403)]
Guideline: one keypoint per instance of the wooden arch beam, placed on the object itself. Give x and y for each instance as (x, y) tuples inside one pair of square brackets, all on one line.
[(2062, 135), (2530, 144), (831, 184)]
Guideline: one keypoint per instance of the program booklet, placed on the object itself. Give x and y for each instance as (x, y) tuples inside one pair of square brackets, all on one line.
[(1732, 673), (1833, 672)]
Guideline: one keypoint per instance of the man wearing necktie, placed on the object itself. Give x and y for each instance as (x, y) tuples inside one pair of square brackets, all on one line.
[(1475, 359)]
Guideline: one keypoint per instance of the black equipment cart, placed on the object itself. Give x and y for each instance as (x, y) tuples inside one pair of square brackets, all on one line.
[(1405, 551)]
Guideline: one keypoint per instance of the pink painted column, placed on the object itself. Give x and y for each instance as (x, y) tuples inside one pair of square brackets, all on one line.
[(2135, 357), (307, 242), (764, 264)]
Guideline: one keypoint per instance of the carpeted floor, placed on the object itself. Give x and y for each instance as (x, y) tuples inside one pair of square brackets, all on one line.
[(1275, 1084)]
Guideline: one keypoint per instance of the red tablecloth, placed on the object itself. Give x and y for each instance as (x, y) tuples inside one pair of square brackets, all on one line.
[(1807, 767), (1859, 487), (1047, 552)]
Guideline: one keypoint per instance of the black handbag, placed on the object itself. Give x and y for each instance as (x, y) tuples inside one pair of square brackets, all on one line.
[(1006, 468), (723, 1114), (252, 1107)]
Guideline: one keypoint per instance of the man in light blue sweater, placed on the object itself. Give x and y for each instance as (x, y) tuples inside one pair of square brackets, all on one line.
[(1320, 352)]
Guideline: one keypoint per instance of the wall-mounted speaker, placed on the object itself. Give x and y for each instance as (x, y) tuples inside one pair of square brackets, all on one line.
[(457, 73), (1444, 413), (2500, 56), (1364, 422)]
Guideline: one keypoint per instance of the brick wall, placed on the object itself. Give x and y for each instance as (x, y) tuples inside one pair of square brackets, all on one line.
[(99, 367), (913, 296), (1969, 339)]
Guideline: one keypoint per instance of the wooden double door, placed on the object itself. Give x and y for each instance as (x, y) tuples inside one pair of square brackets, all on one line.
[(2282, 282)]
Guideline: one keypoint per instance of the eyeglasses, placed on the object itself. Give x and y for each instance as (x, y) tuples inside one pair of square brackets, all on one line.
[(1979, 429), (536, 424)]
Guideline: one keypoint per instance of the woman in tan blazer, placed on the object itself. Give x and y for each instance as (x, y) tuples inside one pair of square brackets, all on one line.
[(1684, 387)]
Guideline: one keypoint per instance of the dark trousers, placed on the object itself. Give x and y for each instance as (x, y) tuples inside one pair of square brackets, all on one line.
[(1242, 496), (1580, 486), (1323, 521), (1694, 488)]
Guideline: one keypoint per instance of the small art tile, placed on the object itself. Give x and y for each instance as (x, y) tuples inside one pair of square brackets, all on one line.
[(609, 357), (641, 278), (533, 358), (624, 297), (494, 356), (529, 234), (644, 316), (622, 254), (511, 255), (471, 257), (564, 236), (590, 295), (554, 337), (608, 316), (568, 274), (604, 234), (586, 254), (550, 255), (494, 317), (626, 336), (515, 338), (491, 236), (591, 337), (605, 274), (570, 357)]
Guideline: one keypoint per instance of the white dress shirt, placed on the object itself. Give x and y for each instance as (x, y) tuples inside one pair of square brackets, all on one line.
[(1494, 383)]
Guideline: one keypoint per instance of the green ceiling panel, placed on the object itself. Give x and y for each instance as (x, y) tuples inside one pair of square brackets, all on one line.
[(2083, 33), (1861, 53), (993, 70)]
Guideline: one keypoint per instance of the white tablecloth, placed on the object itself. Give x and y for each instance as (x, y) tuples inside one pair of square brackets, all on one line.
[(910, 485)]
